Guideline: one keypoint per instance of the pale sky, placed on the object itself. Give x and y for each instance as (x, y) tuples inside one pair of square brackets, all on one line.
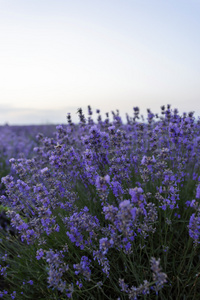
[(57, 56)]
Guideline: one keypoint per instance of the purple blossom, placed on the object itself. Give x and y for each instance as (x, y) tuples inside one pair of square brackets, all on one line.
[(105, 244), (159, 277), (83, 267), (102, 182), (194, 228), (198, 192), (13, 295), (40, 254), (143, 161)]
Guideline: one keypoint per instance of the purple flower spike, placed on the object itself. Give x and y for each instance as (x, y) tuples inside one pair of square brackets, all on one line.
[(198, 192)]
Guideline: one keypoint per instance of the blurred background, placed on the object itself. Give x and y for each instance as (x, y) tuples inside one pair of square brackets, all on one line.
[(57, 56)]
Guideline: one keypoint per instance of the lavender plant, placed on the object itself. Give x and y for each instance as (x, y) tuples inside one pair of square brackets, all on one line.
[(105, 210)]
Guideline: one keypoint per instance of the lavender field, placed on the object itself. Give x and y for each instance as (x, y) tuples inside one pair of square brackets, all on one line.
[(102, 209)]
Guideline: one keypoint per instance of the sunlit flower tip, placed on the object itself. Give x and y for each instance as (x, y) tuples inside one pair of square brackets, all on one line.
[(153, 159), (12, 160), (94, 129), (140, 190), (143, 160), (111, 128), (125, 203), (44, 170), (107, 178)]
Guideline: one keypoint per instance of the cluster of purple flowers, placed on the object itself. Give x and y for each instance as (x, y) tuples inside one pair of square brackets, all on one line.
[(120, 162)]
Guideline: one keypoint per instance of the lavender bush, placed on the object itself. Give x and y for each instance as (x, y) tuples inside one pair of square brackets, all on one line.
[(18, 142), (105, 210)]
